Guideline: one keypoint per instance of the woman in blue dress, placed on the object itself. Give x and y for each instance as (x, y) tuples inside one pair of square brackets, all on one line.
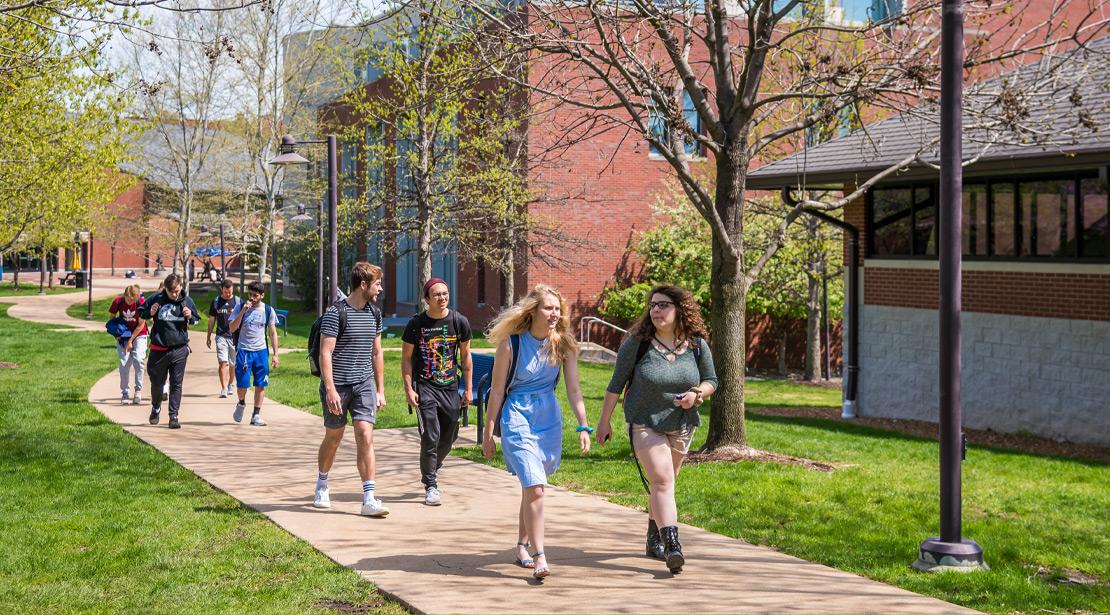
[(524, 404)]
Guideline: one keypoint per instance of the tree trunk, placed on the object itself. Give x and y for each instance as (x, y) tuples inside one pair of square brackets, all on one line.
[(813, 329), (264, 250), (728, 291), (508, 271), (113, 259), (15, 274), (424, 249), (43, 274)]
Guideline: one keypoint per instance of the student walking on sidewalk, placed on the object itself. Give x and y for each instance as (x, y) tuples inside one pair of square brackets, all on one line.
[(665, 370), (534, 343), (436, 344), (132, 351), (220, 319), (252, 321), (170, 312), (352, 382)]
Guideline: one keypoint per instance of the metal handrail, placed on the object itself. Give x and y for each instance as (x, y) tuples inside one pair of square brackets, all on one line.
[(586, 324)]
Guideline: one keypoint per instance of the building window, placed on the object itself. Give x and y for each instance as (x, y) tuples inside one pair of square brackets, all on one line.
[(891, 218), (976, 232), (1094, 219), (1059, 217), (660, 129), (481, 282)]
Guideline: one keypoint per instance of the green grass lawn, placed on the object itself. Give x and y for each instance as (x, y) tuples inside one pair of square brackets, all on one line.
[(1037, 518), (29, 286), (93, 520)]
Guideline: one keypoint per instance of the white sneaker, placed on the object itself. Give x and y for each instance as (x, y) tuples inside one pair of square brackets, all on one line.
[(431, 497), (124, 397), (137, 399), (240, 408), (257, 421), (322, 499), (223, 393), (374, 508)]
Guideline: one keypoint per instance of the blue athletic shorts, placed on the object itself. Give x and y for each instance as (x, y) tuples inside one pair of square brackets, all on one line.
[(252, 363)]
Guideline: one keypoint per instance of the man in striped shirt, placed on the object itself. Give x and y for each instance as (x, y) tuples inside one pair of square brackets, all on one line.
[(352, 382)]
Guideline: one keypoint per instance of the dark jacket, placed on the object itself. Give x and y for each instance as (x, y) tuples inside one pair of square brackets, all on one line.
[(169, 329)]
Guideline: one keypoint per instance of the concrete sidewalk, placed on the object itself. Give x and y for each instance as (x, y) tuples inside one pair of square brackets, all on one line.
[(457, 558)]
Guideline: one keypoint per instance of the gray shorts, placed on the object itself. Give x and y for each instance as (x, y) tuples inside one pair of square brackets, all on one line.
[(359, 400), (225, 350)]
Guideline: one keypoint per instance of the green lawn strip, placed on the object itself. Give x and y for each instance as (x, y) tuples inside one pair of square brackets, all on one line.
[(1035, 516), (29, 286), (93, 520)]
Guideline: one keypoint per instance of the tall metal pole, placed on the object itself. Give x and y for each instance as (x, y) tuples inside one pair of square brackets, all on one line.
[(333, 217), (223, 255), (950, 550), (273, 267), (320, 258), (88, 278)]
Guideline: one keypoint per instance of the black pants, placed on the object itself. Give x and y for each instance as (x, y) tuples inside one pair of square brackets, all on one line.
[(164, 363), (438, 419)]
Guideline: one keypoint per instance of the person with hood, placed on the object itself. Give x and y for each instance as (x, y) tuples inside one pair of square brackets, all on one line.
[(170, 313)]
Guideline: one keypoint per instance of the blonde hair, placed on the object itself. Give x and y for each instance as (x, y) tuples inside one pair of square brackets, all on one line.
[(132, 292), (518, 319)]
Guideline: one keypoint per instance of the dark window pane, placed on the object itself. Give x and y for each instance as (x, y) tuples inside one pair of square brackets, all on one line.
[(890, 228), (1047, 218), (975, 220), (924, 221), (1002, 208), (1096, 216)]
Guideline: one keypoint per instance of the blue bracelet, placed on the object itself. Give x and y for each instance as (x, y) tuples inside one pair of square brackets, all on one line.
[(582, 428)]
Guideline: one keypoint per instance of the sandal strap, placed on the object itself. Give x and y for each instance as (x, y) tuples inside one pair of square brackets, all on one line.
[(537, 554), (524, 544)]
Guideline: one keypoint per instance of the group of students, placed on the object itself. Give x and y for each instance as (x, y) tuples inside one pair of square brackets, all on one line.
[(664, 371), (162, 323)]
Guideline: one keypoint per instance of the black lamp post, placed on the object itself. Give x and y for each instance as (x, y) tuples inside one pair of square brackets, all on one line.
[(950, 551), (87, 236), (288, 155), (223, 255)]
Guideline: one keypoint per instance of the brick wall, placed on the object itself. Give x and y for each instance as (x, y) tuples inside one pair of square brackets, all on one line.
[(1076, 296)]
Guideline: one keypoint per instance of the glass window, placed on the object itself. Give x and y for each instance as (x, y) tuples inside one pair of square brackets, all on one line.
[(1002, 225), (657, 124), (1094, 218), (1047, 218), (975, 233), (924, 221), (891, 210)]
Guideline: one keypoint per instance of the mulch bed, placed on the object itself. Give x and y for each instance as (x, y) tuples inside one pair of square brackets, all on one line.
[(751, 454), (928, 429)]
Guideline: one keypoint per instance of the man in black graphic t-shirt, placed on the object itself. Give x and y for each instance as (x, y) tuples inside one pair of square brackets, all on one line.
[(436, 353)]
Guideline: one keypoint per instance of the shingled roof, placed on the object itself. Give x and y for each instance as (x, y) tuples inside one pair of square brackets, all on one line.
[(1076, 107)]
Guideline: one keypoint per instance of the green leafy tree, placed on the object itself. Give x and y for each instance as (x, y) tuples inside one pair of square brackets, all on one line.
[(63, 132)]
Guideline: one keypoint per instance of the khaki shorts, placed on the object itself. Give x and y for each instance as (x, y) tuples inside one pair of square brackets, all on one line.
[(644, 438)]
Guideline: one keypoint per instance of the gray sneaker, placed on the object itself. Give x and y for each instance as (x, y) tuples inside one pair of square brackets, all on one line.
[(257, 421), (431, 497), (374, 508), (240, 408), (124, 397), (137, 399)]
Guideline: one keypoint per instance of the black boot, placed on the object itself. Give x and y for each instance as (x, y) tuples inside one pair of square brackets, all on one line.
[(672, 549), (654, 542)]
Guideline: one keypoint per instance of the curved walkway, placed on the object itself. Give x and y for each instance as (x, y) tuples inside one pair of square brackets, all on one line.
[(456, 558)]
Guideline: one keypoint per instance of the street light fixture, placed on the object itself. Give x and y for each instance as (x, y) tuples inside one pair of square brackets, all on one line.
[(87, 238), (288, 156), (950, 550), (301, 215)]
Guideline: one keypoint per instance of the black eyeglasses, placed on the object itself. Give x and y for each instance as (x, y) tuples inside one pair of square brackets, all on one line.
[(662, 305)]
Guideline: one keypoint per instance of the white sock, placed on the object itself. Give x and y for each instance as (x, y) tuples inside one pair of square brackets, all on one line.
[(367, 491), (321, 480)]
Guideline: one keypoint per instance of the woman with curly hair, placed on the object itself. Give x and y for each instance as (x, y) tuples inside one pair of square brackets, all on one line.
[(665, 370), (534, 343)]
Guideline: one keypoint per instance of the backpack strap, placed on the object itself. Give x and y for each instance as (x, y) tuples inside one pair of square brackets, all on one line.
[(514, 348), (341, 307)]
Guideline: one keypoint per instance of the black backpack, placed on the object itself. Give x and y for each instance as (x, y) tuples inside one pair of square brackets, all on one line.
[(314, 336)]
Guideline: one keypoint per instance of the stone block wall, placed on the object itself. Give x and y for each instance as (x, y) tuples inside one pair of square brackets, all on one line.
[(1048, 377)]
